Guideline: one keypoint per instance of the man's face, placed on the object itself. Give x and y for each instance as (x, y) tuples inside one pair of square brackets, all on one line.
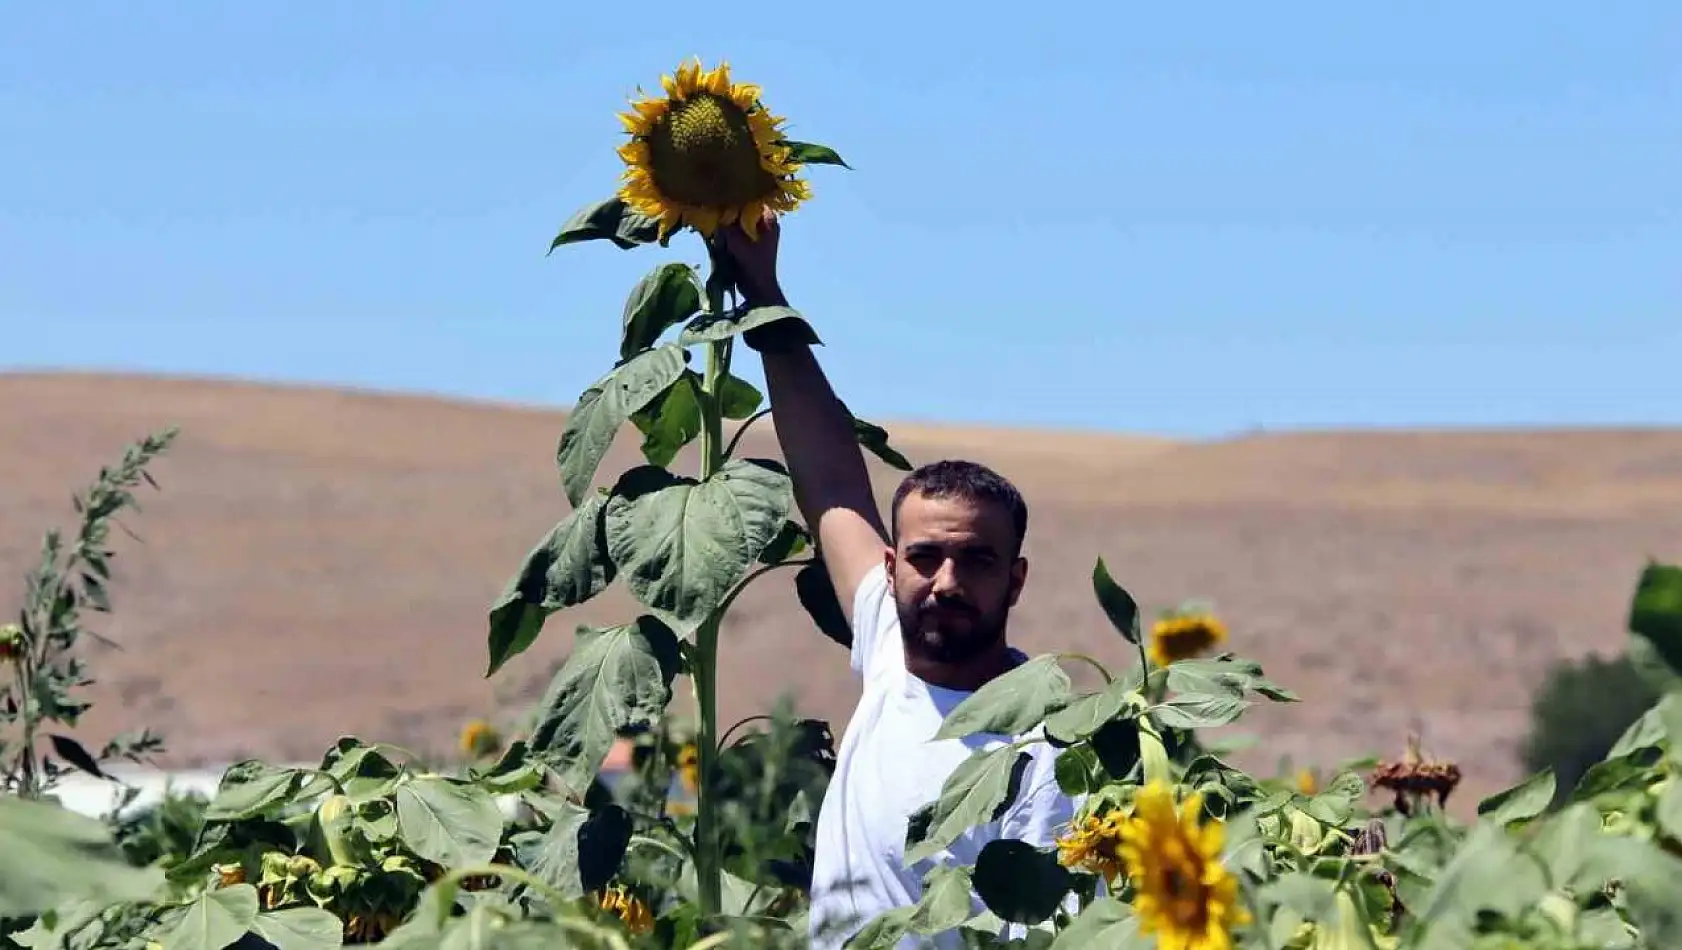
[(955, 575)]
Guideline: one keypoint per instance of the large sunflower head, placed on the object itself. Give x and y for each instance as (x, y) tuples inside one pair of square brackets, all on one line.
[(1183, 893), (707, 154), (1093, 844), (1183, 635)]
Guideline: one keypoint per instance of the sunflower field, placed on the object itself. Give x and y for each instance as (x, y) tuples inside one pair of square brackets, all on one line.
[(706, 841)]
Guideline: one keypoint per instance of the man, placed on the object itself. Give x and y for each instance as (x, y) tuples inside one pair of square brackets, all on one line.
[(927, 606)]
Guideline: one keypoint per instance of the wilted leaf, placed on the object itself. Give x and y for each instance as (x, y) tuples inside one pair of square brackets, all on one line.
[(447, 822), (1012, 703), (50, 856), (616, 678), (71, 751), (681, 545), (603, 409)]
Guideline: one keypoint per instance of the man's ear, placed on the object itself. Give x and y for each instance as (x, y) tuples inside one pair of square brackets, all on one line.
[(1018, 578), (888, 565)]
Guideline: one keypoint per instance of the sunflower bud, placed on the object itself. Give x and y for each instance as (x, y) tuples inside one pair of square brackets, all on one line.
[(11, 642)]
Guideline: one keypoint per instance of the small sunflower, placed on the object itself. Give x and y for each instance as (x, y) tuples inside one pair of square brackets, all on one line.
[(689, 767), (1307, 781), (1183, 636), (1182, 892), (1094, 845), (628, 908), (479, 739), (707, 154)]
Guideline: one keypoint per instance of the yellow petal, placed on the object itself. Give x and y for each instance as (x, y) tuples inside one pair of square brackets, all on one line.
[(704, 220), (744, 95), (751, 213), (687, 76), (717, 82), (634, 152)]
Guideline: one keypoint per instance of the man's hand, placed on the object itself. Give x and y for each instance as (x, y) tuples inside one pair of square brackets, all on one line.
[(756, 261), (815, 431)]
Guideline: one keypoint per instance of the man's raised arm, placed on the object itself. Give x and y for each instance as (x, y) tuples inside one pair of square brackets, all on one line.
[(831, 483)]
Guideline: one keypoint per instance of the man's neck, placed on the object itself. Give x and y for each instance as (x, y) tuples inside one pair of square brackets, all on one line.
[(967, 676)]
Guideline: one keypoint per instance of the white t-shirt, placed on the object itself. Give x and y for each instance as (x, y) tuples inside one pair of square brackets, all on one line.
[(888, 767)]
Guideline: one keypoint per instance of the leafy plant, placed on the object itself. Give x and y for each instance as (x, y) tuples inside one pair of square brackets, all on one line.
[(39, 651), (1578, 713), (1266, 865)]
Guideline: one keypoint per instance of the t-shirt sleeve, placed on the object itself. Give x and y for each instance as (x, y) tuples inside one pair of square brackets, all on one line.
[(873, 618)]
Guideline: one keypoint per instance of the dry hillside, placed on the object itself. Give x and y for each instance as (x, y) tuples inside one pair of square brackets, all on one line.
[(320, 562)]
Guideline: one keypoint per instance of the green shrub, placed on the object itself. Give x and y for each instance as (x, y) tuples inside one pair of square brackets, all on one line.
[(1578, 712)]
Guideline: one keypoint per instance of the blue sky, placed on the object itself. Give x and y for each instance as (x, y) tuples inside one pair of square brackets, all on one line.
[(1108, 216)]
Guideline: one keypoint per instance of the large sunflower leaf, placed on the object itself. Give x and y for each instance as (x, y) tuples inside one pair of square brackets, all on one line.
[(568, 567), (665, 298), (610, 220), (603, 408), (682, 544), (1012, 703), (671, 420), (582, 849), (52, 856), (617, 678), (712, 327), (215, 919), (978, 791), (448, 822)]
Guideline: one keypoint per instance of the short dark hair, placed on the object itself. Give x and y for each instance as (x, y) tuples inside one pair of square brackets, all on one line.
[(972, 481)]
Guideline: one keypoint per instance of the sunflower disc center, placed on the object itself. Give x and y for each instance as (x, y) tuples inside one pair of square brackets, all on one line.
[(703, 153)]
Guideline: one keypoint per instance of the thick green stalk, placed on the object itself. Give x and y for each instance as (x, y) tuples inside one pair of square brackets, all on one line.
[(708, 853)]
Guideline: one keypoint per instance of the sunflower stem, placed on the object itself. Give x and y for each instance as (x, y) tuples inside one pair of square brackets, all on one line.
[(708, 855)]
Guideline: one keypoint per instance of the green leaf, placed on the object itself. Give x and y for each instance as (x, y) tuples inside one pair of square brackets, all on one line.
[(1086, 715), (53, 856), (1669, 810), (1105, 924), (1656, 611), (791, 541), (1487, 873), (1522, 802), (713, 327), (1224, 674), (215, 919), (251, 788), (583, 849), (1313, 898), (946, 901), (1019, 882), (448, 822), (738, 398), (1118, 604), (617, 679), (681, 545), (808, 153), (300, 928), (671, 421), (1199, 710), (978, 791), (1012, 703), (874, 439), (609, 220), (1078, 771), (604, 407), (1615, 774), (1117, 745), (568, 567), (665, 298), (817, 595), (883, 932)]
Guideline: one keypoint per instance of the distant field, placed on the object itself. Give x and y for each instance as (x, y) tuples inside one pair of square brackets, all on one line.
[(320, 562)]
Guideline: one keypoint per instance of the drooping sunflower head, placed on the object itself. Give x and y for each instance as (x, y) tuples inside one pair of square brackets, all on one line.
[(1183, 893), (707, 154), (1183, 635), (1093, 844)]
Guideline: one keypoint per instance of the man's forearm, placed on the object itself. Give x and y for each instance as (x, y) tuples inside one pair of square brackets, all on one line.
[(816, 435)]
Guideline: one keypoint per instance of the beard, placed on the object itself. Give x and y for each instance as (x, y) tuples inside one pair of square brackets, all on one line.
[(950, 631)]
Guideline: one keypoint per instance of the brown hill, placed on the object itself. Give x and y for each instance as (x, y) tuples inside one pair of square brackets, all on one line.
[(320, 562)]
